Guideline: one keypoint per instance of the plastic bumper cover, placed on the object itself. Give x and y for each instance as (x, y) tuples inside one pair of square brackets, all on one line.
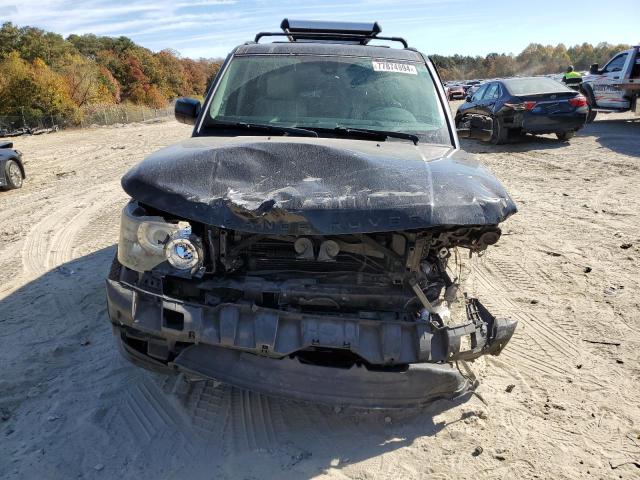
[(358, 387), (277, 333), (249, 347)]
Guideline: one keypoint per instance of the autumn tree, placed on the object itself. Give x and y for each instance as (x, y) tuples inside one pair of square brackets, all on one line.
[(32, 43), (88, 83), (535, 59), (34, 91)]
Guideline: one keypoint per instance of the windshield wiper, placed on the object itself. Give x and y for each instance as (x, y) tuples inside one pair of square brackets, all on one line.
[(377, 133), (303, 132)]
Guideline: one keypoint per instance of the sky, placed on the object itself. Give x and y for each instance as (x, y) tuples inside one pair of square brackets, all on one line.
[(210, 28)]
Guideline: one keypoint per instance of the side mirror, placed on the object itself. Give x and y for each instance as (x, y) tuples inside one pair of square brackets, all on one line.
[(468, 99), (594, 69), (476, 126), (187, 110)]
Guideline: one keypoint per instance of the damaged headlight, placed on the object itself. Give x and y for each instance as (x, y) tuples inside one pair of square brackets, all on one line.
[(181, 250), (148, 241)]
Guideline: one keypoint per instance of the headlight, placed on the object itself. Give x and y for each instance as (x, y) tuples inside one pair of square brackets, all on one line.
[(182, 250), (147, 241)]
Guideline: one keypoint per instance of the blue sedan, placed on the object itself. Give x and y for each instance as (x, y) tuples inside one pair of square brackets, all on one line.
[(526, 105)]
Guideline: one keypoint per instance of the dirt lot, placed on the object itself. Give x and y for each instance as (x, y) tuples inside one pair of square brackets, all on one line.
[(554, 405)]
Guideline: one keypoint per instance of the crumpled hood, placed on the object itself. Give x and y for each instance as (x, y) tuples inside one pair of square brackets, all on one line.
[(282, 185)]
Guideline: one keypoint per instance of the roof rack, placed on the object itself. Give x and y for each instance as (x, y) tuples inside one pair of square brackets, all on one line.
[(342, 32)]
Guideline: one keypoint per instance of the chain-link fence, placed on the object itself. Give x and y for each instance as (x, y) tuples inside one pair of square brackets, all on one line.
[(24, 124), (124, 113)]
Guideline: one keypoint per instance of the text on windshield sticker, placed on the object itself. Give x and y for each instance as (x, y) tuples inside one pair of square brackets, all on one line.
[(394, 67)]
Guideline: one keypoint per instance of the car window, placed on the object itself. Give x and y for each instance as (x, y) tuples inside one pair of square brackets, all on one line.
[(616, 64), (328, 92), (479, 93), (534, 86), (491, 92)]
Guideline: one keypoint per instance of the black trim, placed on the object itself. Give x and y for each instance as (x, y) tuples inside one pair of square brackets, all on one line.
[(361, 39), (356, 387)]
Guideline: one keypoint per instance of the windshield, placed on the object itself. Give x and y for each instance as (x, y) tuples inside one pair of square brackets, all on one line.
[(323, 93), (532, 86)]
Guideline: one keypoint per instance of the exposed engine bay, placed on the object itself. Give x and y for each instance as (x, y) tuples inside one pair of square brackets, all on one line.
[(365, 274), (336, 300)]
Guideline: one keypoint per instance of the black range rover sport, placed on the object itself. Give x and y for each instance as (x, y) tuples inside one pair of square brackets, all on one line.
[(298, 244)]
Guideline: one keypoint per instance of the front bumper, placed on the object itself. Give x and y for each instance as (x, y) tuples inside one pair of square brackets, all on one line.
[(357, 387), (251, 347)]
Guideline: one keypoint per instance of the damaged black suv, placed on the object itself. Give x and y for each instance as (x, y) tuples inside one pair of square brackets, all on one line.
[(298, 243)]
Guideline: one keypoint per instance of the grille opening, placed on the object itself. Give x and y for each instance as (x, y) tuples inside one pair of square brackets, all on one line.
[(345, 359), (173, 319), (327, 357), (270, 300), (135, 343), (273, 255)]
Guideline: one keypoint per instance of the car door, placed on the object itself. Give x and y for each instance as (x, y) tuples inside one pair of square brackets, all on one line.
[(607, 93), (474, 106), (488, 101)]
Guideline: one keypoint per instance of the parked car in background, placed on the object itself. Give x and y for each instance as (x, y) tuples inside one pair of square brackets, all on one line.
[(456, 92), (526, 105), (473, 88), (12, 171), (470, 84)]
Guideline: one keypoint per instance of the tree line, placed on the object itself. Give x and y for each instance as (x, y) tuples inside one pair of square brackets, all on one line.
[(535, 59), (43, 74)]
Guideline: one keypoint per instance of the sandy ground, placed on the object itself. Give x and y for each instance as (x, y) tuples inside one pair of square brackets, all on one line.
[(552, 406)]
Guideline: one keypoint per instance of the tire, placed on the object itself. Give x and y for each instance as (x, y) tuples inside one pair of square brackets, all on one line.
[(565, 136), (499, 134), (587, 92), (13, 174)]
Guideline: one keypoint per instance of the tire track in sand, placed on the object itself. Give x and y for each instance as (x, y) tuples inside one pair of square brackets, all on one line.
[(540, 344)]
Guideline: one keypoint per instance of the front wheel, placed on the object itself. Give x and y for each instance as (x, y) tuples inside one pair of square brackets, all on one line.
[(564, 136), (13, 174)]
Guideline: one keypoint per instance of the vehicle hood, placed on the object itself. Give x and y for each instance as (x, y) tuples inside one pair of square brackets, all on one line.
[(284, 185)]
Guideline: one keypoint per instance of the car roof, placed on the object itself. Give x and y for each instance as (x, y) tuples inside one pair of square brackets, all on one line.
[(326, 48)]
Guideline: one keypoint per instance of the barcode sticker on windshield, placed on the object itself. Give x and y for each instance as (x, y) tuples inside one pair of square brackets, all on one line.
[(394, 67)]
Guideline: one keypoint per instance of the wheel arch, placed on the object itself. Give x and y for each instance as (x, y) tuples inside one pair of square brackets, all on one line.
[(587, 90), (15, 158)]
